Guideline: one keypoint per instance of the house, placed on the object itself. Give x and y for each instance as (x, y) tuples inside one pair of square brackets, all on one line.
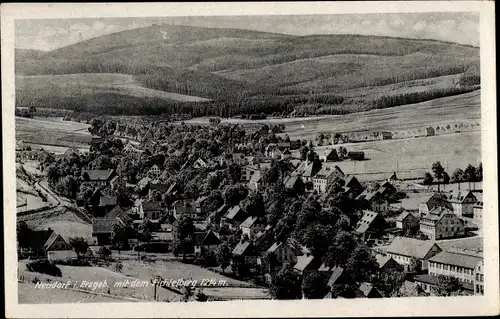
[(386, 262), (338, 276), (136, 207), (304, 171), (366, 290), (454, 264), (352, 186), (118, 212), (106, 203), (263, 239), (280, 253), (436, 199), (286, 154), (245, 252), (154, 171), (441, 223), (157, 186), (306, 264), (234, 217), (406, 221), (411, 252), (371, 225), (49, 243), (101, 176), (102, 229), (248, 171), (273, 151), (200, 163), (479, 278), (184, 207), (144, 183), (385, 135), (463, 203), (236, 158), (150, 210), (39, 155), (410, 289), (295, 183), (477, 210), (430, 285), (255, 181), (117, 182), (375, 200), (215, 216), (205, 243), (356, 156), (325, 177), (329, 155), (252, 225), (198, 205)]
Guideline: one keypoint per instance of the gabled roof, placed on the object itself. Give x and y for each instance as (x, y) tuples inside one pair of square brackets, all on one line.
[(366, 221), (200, 200), (243, 248), (100, 174), (273, 248), (336, 274), (410, 247), (291, 181), (351, 180), (171, 188), (401, 217), (206, 239), (460, 196), (366, 289), (303, 262), (454, 259), (118, 212), (104, 225), (38, 238), (329, 172), (145, 181), (235, 213), (107, 201), (53, 237), (255, 178), (249, 222), (304, 169), (382, 260), (151, 206)]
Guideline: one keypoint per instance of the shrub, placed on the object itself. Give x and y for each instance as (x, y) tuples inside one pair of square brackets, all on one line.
[(44, 266)]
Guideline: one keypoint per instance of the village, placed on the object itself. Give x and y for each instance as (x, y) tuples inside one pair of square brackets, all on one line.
[(254, 206)]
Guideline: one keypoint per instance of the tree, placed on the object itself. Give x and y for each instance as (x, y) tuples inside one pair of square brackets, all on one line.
[(223, 255), (447, 286), (119, 237), (23, 234), (438, 171), (118, 266), (479, 172), (389, 282), (233, 194), (458, 176), (285, 285), (253, 205), (428, 179), (68, 186), (184, 235), (187, 293), (470, 174), (201, 297), (104, 253), (314, 286), (80, 246), (446, 178)]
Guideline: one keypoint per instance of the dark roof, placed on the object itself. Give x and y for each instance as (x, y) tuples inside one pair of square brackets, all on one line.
[(243, 248), (104, 225), (118, 212), (461, 196), (410, 247), (235, 213), (403, 216), (366, 221), (366, 289), (38, 238), (250, 221), (107, 201), (159, 186), (206, 238), (433, 280), (146, 206), (291, 181), (336, 274), (100, 174), (454, 259)]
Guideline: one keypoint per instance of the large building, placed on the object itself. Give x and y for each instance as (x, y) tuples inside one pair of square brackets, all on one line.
[(441, 223), (463, 203), (479, 278), (455, 264), (410, 252), (325, 177)]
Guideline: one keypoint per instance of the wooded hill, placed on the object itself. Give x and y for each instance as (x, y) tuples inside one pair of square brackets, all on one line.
[(268, 72)]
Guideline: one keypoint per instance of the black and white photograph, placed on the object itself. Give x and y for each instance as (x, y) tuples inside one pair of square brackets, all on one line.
[(192, 159)]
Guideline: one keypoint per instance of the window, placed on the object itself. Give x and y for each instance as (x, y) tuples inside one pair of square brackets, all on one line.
[(482, 277), (477, 277)]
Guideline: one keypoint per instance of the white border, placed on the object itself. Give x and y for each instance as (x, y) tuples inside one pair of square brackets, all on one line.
[(485, 305)]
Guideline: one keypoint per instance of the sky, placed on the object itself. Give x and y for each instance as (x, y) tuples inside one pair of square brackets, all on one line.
[(458, 27)]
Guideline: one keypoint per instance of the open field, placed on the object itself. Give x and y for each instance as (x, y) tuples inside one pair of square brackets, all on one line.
[(53, 134), (28, 294), (463, 108), (411, 158), (47, 86), (61, 220)]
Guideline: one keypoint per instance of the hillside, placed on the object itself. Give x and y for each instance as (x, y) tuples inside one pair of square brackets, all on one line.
[(233, 65)]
